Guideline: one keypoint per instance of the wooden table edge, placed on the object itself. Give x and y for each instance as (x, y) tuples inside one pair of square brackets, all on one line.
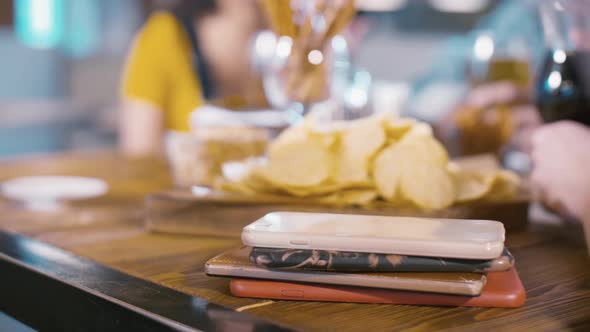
[(51, 289)]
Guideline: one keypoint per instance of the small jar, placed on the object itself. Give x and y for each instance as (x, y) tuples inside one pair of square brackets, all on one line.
[(218, 136), (196, 157)]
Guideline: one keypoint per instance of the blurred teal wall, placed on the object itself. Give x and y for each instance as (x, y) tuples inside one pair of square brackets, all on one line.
[(27, 73)]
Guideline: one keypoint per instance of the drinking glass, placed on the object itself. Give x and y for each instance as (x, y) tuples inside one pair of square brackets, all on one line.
[(493, 60), (563, 84)]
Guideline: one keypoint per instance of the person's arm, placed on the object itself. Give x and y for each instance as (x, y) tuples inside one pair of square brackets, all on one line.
[(144, 90), (141, 128), (561, 155)]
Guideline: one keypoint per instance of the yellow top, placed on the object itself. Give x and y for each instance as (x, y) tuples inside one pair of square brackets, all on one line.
[(159, 70)]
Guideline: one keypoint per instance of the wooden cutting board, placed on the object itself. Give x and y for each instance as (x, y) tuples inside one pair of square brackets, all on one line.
[(225, 214)]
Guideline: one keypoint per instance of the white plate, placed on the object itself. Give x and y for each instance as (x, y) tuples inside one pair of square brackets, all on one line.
[(52, 188)]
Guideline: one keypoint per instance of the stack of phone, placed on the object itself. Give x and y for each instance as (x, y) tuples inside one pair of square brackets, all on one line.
[(373, 259)]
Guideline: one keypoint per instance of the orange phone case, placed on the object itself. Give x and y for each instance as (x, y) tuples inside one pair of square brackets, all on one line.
[(502, 290)]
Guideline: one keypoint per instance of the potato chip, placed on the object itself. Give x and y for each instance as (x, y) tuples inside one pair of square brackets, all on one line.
[(453, 167), (358, 197), (505, 185), (390, 163), (258, 182), (387, 171), (428, 186), (396, 128), (358, 144), (471, 186), (424, 149), (420, 129), (299, 163), (324, 188), (309, 128), (292, 134), (250, 184), (484, 183), (320, 189), (328, 139), (235, 187)]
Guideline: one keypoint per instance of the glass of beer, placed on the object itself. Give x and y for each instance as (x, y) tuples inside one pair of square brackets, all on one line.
[(488, 128)]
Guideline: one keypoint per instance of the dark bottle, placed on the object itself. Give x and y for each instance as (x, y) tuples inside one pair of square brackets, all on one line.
[(563, 87)]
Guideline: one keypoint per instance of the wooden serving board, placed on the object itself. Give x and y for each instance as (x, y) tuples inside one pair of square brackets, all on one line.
[(213, 212)]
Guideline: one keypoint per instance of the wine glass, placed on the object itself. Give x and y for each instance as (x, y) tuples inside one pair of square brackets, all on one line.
[(306, 61)]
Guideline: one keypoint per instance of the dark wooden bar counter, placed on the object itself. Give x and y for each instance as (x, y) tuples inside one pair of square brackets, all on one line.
[(157, 280)]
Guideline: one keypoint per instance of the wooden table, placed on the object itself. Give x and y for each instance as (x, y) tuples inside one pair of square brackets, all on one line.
[(552, 261)]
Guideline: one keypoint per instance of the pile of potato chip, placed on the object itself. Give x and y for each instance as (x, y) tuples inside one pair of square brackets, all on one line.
[(360, 162)]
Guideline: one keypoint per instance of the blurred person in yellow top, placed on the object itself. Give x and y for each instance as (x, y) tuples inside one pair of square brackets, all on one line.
[(193, 52)]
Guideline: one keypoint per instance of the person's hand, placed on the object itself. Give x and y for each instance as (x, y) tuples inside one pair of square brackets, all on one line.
[(496, 93), (561, 156), (491, 116)]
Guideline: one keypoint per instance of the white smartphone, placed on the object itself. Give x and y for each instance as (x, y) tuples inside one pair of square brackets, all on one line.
[(451, 238)]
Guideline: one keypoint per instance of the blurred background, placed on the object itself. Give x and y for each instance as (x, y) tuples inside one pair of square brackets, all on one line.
[(61, 61)]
